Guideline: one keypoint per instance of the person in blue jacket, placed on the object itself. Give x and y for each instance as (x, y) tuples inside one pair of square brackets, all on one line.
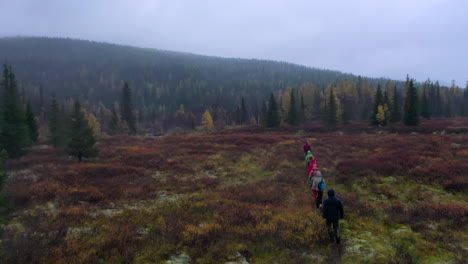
[(333, 212)]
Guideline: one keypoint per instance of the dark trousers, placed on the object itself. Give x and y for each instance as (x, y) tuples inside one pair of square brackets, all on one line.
[(318, 197), (335, 232)]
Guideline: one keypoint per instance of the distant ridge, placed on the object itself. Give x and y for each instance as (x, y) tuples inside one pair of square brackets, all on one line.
[(95, 71)]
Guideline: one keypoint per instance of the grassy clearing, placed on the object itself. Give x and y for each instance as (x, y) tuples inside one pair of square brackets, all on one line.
[(241, 196)]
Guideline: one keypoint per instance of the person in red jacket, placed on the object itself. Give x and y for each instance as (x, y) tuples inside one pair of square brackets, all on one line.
[(313, 167), (307, 147)]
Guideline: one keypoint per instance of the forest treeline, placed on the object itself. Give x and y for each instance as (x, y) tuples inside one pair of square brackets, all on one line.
[(167, 89)]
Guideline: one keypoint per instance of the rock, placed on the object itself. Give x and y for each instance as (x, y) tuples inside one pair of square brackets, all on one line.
[(414, 133), (455, 145), (238, 259), (182, 258), (443, 132)]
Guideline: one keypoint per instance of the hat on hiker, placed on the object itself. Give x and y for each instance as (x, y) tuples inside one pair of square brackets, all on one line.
[(331, 192)]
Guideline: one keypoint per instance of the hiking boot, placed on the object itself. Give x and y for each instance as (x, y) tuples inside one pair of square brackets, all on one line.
[(338, 240)]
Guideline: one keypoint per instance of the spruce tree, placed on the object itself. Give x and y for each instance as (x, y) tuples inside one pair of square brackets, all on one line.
[(273, 115), (127, 111), (82, 140), (31, 122), (331, 110), (425, 105), (395, 113), (293, 117), (114, 122), (411, 113), (57, 124), (264, 113), (465, 101), (244, 115), (302, 117), (14, 136), (377, 102)]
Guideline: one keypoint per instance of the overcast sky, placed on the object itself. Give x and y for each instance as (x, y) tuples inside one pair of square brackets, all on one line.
[(376, 38)]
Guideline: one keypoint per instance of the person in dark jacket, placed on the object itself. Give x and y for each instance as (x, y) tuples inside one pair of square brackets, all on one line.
[(333, 212), (307, 147)]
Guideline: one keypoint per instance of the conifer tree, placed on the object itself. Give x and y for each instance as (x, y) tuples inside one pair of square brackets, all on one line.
[(293, 117), (82, 139), (302, 117), (411, 113), (114, 122), (395, 113), (127, 111), (57, 124), (273, 116), (379, 100), (264, 113), (425, 105), (244, 115), (31, 122), (331, 110), (14, 137), (465, 101)]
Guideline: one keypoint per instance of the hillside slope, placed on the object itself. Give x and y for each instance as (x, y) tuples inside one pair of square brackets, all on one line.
[(95, 71)]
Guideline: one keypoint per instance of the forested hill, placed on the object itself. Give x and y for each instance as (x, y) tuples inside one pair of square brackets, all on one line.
[(95, 71)]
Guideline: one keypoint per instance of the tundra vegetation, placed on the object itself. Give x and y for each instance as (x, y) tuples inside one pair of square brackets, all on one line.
[(239, 195)]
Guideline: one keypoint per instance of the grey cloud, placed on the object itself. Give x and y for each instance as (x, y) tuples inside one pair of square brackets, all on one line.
[(425, 38)]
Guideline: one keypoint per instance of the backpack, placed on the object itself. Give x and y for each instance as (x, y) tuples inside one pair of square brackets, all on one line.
[(321, 186)]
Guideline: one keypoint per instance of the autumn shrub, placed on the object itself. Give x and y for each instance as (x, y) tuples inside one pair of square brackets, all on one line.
[(397, 212), (458, 184), (440, 171), (455, 213), (259, 192), (74, 195), (45, 190)]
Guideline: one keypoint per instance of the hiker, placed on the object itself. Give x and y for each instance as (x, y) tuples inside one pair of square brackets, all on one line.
[(312, 167), (307, 147), (308, 157), (317, 186), (333, 212)]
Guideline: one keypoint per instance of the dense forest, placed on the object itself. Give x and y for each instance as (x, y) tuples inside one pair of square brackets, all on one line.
[(172, 89)]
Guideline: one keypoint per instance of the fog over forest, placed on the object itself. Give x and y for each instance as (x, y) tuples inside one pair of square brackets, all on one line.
[(425, 39)]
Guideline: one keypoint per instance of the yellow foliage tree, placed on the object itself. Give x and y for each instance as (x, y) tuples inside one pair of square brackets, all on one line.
[(381, 116), (207, 120), (94, 124)]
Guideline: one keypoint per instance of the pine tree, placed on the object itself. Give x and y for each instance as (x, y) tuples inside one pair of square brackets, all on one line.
[(14, 136), (379, 100), (127, 111), (465, 101), (244, 115), (425, 105), (331, 110), (293, 117), (411, 113), (273, 116), (264, 113), (114, 122), (82, 139), (57, 124), (31, 122), (302, 109), (395, 113)]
